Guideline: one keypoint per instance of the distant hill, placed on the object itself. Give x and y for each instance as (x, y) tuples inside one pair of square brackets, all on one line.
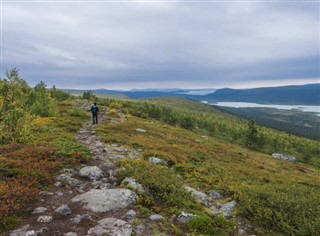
[(300, 94)]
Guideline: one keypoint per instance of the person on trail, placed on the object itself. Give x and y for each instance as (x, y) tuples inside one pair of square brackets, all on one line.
[(95, 110)]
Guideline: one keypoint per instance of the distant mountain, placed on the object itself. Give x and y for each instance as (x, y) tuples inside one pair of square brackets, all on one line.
[(299, 94)]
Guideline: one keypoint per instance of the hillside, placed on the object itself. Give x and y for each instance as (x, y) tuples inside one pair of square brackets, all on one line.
[(165, 166), (301, 94), (162, 163)]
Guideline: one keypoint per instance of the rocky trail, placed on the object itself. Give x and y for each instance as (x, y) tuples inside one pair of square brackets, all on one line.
[(89, 201), (86, 201)]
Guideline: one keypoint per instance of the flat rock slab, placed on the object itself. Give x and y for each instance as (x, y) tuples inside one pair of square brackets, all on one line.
[(111, 226), (103, 200)]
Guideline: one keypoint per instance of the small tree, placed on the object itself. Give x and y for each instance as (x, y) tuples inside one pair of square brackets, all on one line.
[(252, 137)]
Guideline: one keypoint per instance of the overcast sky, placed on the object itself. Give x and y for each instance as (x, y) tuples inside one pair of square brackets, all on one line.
[(123, 45)]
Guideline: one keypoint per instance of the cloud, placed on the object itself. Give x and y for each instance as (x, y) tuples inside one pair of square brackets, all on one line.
[(166, 44)]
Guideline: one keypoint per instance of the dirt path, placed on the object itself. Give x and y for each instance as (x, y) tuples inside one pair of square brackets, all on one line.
[(57, 212)]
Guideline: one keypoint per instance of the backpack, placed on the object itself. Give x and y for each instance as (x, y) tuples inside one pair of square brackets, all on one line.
[(94, 109)]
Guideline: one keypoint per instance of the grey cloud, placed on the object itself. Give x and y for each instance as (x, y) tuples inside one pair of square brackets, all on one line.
[(173, 44)]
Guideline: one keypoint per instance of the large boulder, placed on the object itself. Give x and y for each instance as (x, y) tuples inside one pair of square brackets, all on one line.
[(103, 200), (91, 172), (111, 226), (284, 157)]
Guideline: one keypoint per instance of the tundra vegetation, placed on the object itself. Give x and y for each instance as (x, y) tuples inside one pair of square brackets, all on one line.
[(205, 148)]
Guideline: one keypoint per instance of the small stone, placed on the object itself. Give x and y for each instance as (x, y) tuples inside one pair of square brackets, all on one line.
[(241, 231), (185, 217), (58, 193), (131, 214), (63, 210), (44, 219), (107, 166), (39, 210), (157, 160), (204, 137), (111, 226), (215, 195), (140, 130), (20, 232), (67, 179), (284, 157), (57, 184), (133, 184), (31, 233), (91, 172), (139, 150), (71, 234), (156, 217), (42, 230)]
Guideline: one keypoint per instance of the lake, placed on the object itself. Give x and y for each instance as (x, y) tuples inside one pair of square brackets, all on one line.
[(304, 108)]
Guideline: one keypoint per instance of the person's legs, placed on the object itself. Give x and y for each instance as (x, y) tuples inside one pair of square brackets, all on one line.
[(97, 118), (93, 118)]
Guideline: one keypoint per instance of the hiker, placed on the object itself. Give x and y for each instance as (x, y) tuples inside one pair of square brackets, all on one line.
[(95, 110)]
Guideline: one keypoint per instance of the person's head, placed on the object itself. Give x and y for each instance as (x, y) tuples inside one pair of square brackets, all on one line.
[(95, 103)]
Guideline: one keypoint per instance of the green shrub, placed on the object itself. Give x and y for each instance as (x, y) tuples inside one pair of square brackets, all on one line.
[(291, 209)]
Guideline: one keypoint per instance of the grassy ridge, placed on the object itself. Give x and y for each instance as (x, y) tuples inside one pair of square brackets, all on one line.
[(217, 123), (277, 196), (26, 169)]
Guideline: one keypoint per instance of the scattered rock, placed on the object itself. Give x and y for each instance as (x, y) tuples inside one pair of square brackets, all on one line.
[(111, 226), (63, 210), (225, 209), (44, 219), (71, 234), (157, 160), (185, 217), (106, 166), (67, 179), (91, 172), (241, 231), (156, 217), (58, 193), (204, 137), (140, 229), (31, 233), (131, 214), (39, 210), (20, 232), (140, 130), (284, 157), (133, 184), (116, 157), (198, 195), (76, 220), (57, 184), (43, 230), (107, 199), (215, 195)]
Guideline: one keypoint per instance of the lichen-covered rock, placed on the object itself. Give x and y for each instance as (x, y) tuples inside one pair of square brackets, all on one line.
[(198, 195), (133, 184), (39, 210), (67, 179), (63, 210), (91, 172), (131, 214), (225, 209), (156, 217), (44, 219), (215, 195), (111, 226), (103, 200), (284, 157), (23, 231), (156, 160)]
